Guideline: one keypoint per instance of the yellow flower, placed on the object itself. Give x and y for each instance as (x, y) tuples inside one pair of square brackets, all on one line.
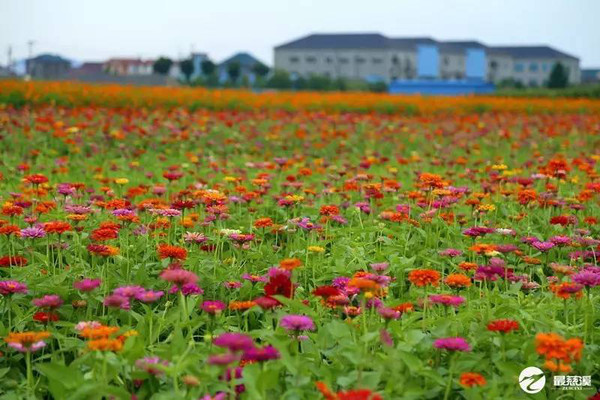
[(121, 181), (499, 167), (316, 249)]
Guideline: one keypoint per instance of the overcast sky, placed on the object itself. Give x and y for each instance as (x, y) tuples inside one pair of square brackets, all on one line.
[(95, 30)]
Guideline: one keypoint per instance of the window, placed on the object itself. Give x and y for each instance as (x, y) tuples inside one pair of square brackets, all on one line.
[(377, 60), (519, 67), (545, 67), (446, 60), (329, 60), (533, 67), (360, 60), (533, 82), (311, 59), (343, 60), (294, 60)]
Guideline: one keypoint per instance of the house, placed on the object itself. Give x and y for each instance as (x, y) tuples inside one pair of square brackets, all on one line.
[(5, 72), (590, 75), (197, 60), (47, 66), (529, 65), (246, 62), (128, 66), (372, 56), (87, 69)]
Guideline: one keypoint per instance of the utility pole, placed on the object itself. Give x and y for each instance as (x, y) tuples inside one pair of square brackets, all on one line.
[(9, 59), (30, 44)]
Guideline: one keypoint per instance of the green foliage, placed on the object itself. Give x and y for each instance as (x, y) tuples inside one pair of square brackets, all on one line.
[(187, 68), (559, 77), (208, 67), (162, 65), (234, 69)]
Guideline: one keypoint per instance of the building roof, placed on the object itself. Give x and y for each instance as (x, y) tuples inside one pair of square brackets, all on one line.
[(244, 59), (130, 61), (409, 43), (338, 41), (530, 52), (590, 74), (49, 58)]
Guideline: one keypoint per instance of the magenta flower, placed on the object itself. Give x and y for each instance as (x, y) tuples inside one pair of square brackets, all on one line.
[(223, 359), (543, 246), (587, 278), (450, 253), (188, 289), (129, 291), (8, 288), (149, 296), (87, 285), (116, 301), (388, 313), (178, 276), (297, 323), (48, 301), (379, 267), (35, 232), (452, 344), (261, 354), (234, 341), (447, 300), (212, 306)]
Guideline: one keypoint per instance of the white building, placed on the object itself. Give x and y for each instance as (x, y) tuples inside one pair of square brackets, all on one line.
[(372, 57)]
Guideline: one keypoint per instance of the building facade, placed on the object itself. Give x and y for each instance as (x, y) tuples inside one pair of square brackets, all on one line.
[(47, 66), (374, 57), (128, 66)]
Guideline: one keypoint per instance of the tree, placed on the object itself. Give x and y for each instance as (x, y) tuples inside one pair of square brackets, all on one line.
[(187, 68), (208, 67), (279, 80), (233, 71), (260, 69), (162, 66), (559, 77)]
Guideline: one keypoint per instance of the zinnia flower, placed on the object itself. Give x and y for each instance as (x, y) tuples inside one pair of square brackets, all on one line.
[(452, 344), (297, 323)]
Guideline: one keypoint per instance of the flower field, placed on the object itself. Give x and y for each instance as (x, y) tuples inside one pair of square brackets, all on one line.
[(294, 252)]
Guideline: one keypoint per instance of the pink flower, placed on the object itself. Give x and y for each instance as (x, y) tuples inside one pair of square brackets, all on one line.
[(212, 307), (87, 285), (48, 301), (117, 301), (149, 296), (452, 344)]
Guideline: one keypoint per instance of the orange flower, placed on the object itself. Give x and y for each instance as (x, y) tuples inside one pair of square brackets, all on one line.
[(470, 379), (241, 305), (457, 281), (263, 222), (26, 339), (105, 344), (329, 210), (168, 251), (424, 277), (290, 263), (99, 332), (467, 266), (57, 227)]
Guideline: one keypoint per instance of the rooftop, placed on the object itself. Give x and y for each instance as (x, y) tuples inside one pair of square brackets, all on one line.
[(530, 52)]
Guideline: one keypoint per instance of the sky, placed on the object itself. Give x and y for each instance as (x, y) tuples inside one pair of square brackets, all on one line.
[(95, 30)]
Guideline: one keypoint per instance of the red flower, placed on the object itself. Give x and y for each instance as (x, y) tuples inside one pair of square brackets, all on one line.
[(45, 317), (503, 325), (13, 261), (326, 291), (279, 284), (36, 179)]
